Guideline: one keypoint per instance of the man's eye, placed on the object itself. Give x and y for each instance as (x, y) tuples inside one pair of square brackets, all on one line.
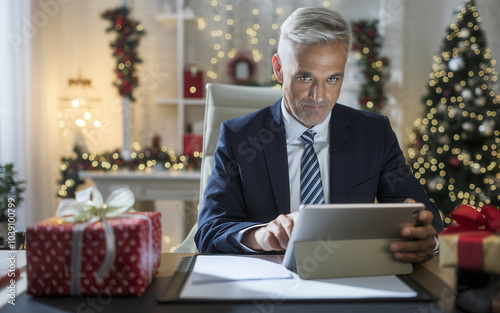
[(305, 78), (333, 79)]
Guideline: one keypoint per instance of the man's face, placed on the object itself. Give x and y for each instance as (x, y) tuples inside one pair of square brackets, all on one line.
[(311, 78)]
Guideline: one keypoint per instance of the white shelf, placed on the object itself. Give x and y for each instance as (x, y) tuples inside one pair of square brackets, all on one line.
[(167, 18), (177, 101), (195, 101), (178, 19)]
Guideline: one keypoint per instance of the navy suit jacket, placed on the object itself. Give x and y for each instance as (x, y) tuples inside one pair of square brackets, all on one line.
[(249, 184)]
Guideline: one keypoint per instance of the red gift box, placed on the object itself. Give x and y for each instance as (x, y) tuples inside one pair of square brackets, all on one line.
[(473, 242), (193, 143), (193, 84), (50, 263)]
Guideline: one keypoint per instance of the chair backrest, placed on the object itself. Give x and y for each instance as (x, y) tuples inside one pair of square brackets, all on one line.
[(224, 102)]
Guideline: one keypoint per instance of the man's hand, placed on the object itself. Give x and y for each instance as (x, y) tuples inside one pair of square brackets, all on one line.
[(272, 237), (421, 247)]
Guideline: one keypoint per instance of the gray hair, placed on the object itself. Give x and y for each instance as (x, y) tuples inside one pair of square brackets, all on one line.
[(314, 26)]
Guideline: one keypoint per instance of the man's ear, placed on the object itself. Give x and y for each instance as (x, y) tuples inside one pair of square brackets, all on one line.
[(277, 68)]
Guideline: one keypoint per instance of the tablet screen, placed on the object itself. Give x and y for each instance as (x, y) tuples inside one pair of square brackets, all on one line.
[(350, 221)]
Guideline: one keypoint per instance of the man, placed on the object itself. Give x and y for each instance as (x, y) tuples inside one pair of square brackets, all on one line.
[(306, 149)]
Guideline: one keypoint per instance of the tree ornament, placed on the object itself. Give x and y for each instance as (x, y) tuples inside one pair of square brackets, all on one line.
[(466, 94), (478, 91), (468, 126), (441, 180), (442, 67), (444, 140), (457, 111), (487, 128), (482, 197), (472, 82), (423, 128), (465, 33), (465, 155), (476, 169), (457, 87), (432, 184), (454, 161), (456, 64), (481, 101), (441, 108)]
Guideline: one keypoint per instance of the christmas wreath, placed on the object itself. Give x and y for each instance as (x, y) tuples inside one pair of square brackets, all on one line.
[(129, 33)]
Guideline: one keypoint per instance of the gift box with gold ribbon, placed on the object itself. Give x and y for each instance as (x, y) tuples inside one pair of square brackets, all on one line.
[(473, 242), (94, 247)]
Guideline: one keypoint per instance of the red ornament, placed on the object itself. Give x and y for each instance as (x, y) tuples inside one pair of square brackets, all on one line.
[(125, 84), (364, 100), (156, 140), (454, 161), (120, 52), (371, 32), (120, 20)]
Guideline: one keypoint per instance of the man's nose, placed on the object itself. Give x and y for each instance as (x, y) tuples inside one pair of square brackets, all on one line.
[(317, 92)]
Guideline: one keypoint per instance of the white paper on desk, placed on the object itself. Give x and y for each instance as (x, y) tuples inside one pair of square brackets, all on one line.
[(282, 287), (224, 268)]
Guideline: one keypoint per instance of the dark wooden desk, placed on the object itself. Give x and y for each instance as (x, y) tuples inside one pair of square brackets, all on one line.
[(438, 281)]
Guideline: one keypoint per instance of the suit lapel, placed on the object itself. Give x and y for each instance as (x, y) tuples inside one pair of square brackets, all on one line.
[(340, 155), (273, 141)]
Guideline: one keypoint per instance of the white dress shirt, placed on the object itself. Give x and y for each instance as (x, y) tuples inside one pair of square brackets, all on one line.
[(295, 148)]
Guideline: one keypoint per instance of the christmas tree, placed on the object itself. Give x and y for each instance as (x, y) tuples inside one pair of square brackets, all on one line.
[(455, 144)]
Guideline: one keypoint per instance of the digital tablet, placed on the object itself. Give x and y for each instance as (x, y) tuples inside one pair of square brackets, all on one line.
[(350, 221)]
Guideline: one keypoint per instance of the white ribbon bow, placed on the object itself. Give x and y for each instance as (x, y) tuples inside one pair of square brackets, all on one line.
[(88, 207)]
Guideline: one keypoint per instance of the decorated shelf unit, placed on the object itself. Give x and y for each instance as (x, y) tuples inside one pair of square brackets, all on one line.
[(194, 104)]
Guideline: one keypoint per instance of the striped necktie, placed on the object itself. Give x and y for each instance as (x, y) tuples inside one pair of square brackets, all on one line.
[(311, 188)]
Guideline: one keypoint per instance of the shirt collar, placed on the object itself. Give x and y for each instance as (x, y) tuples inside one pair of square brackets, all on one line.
[(294, 129)]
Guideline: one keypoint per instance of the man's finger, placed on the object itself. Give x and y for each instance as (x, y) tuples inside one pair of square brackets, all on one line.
[(418, 257), (420, 232), (266, 239), (286, 222), (273, 243), (277, 230), (425, 217), (423, 245), (282, 237)]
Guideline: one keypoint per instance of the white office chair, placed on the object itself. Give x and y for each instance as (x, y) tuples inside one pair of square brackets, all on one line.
[(224, 102)]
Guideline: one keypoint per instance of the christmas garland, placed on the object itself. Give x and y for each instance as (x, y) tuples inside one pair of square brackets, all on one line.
[(154, 158), (366, 45), (129, 33)]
